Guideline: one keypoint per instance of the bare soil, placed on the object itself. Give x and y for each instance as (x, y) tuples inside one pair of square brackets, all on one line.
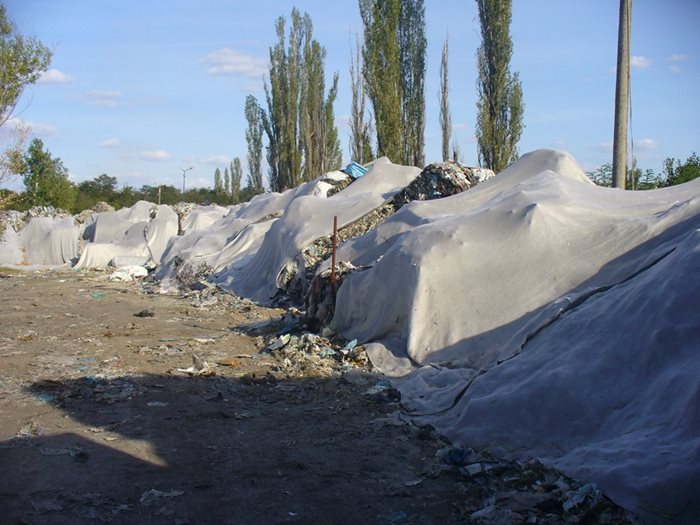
[(98, 425)]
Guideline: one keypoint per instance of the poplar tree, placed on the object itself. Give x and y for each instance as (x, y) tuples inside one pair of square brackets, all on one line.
[(500, 100), (318, 133), (299, 121), (227, 182), (382, 72), (236, 176), (412, 44), (445, 118), (394, 73), (253, 136), (218, 186), (360, 129)]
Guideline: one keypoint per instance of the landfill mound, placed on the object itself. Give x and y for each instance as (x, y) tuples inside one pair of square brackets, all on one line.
[(193, 257), (306, 219), (544, 316)]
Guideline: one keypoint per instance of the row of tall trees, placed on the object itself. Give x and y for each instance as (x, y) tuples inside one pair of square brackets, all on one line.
[(299, 121), (229, 185)]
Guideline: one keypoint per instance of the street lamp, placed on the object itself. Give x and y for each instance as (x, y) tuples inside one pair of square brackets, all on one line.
[(184, 170)]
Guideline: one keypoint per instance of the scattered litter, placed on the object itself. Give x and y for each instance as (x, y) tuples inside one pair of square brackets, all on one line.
[(128, 273), (98, 295), (203, 340), (199, 367), (144, 313), (152, 496), (280, 342)]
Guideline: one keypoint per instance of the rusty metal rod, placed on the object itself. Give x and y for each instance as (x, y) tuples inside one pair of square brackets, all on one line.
[(335, 245)]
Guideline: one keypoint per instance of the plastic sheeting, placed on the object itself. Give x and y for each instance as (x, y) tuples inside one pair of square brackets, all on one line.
[(552, 318), (50, 242)]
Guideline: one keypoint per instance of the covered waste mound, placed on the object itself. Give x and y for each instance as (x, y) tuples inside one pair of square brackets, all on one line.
[(234, 238), (542, 316), (41, 236), (277, 263)]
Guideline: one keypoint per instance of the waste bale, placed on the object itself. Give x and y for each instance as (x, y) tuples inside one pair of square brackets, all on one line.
[(441, 179)]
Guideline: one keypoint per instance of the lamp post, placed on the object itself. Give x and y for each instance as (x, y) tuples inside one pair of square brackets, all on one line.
[(184, 170)]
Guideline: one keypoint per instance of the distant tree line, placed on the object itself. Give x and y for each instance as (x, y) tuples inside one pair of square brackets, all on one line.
[(673, 172), (46, 183)]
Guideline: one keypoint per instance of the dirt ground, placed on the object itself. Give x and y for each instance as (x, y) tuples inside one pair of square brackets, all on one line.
[(97, 424)]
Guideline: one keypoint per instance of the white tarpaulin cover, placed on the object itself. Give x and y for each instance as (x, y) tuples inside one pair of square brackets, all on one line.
[(220, 245), (49, 242), (306, 219), (129, 232), (552, 318)]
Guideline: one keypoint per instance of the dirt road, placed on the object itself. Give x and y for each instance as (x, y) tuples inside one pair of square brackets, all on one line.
[(97, 424)]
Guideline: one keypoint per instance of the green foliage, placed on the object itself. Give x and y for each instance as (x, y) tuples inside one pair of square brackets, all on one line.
[(299, 122), (360, 129), (394, 73), (382, 72), (99, 189), (45, 179), (253, 136), (236, 177), (227, 182), (677, 173), (22, 60), (500, 104), (218, 183), (412, 44)]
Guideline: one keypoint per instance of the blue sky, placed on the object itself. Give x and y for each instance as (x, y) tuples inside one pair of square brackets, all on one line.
[(141, 89)]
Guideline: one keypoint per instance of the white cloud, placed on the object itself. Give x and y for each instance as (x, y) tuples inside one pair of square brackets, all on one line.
[(215, 160), (647, 144), (40, 129), (108, 143), (54, 76), (104, 98), (227, 61), (155, 155), (640, 62), (674, 68)]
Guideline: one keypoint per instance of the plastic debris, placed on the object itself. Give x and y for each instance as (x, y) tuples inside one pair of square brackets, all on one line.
[(98, 295), (278, 343), (355, 170), (199, 367)]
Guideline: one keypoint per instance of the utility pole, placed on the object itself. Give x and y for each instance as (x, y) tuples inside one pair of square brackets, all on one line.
[(184, 170), (622, 90)]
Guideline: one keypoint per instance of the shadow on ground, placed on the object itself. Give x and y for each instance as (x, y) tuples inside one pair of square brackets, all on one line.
[(164, 449)]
